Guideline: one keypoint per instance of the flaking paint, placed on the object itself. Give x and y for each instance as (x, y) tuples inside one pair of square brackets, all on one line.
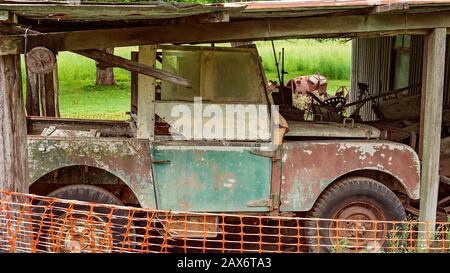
[(308, 167), (128, 159)]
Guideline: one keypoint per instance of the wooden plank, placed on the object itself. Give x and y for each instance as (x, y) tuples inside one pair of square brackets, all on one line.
[(13, 134), (134, 84), (94, 12), (117, 61), (32, 94), (56, 89), (146, 95), (50, 107), (234, 31), (42, 94), (432, 97)]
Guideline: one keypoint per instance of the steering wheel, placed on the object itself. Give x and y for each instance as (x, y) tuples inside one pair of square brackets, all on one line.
[(335, 102)]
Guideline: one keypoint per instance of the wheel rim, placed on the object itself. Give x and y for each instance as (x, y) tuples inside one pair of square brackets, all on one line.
[(77, 234), (358, 226)]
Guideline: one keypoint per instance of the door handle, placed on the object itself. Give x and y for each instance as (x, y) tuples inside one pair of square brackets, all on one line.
[(161, 161)]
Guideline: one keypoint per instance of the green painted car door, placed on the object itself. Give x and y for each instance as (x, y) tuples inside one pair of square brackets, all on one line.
[(210, 178)]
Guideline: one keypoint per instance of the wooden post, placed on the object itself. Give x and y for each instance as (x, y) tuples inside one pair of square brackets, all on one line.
[(49, 93), (32, 94), (431, 118), (42, 94), (56, 89), (13, 134), (134, 84), (146, 95)]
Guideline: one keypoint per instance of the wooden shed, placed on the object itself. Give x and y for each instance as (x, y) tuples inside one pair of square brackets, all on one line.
[(421, 25)]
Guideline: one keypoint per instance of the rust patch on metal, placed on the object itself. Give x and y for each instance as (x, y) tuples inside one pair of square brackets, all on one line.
[(128, 159), (309, 167)]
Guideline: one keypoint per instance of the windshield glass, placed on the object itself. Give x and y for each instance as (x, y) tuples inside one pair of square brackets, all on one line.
[(220, 75)]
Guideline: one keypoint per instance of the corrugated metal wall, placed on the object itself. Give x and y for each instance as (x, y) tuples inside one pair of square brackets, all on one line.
[(415, 65), (371, 64), (371, 58)]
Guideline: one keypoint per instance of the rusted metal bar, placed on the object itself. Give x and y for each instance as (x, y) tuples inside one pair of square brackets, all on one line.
[(380, 95)]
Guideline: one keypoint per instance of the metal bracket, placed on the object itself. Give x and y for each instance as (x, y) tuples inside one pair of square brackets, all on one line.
[(274, 154), (275, 201)]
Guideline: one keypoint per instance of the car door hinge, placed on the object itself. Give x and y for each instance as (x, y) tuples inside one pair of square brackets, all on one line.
[(274, 154)]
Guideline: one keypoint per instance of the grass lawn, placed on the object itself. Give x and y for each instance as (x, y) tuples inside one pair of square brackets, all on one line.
[(80, 97)]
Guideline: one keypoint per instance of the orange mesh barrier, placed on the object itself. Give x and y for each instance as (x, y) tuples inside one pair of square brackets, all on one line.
[(30, 223)]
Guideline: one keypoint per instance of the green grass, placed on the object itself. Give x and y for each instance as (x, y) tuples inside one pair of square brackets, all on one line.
[(302, 57), (80, 97)]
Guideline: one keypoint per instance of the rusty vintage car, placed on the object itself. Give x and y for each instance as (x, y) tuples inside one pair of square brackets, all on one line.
[(313, 169)]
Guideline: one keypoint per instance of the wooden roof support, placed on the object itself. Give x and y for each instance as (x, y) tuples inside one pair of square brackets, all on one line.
[(13, 134), (430, 124), (249, 30), (146, 95), (116, 61)]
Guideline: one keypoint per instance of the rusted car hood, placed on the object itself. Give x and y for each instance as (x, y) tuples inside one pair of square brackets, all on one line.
[(331, 129)]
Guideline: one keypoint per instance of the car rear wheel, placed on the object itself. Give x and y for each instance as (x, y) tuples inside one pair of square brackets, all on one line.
[(359, 209)]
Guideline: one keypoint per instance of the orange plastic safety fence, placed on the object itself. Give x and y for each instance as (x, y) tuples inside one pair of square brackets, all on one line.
[(30, 223)]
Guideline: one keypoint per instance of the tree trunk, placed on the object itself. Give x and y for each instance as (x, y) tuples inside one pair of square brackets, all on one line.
[(105, 76)]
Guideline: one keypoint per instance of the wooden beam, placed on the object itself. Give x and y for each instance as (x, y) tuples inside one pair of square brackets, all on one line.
[(146, 95), (13, 134), (249, 30), (141, 68), (432, 97)]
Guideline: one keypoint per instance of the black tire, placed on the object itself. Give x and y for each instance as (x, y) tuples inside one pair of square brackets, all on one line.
[(353, 198), (87, 193)]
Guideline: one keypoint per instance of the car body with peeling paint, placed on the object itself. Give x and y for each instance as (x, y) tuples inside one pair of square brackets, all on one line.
[(321, 169)]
